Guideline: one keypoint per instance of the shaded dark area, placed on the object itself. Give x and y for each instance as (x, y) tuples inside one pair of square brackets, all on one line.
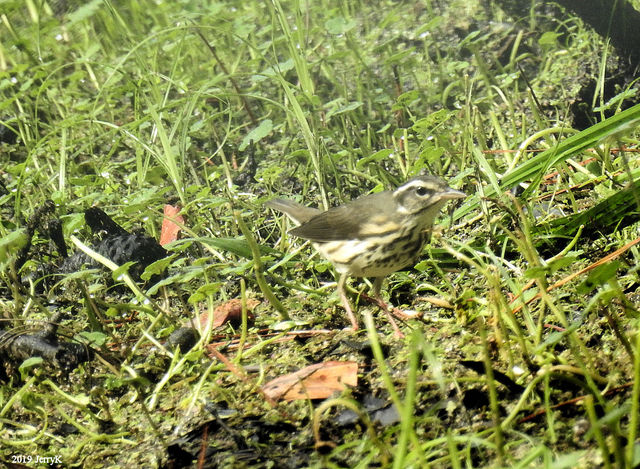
[(120, 246), (474, 399), (184, 338), (15, 347), (36, 221), (152, 399), (247, 173), (7, 135), (101, 223), (117, 244), (225, 445), (499, 376), (380, 411), (138, 248), (581, 106), (615, 20), (614, 213)]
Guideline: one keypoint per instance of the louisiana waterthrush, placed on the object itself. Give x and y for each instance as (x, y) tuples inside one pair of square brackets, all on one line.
[(374, 235)]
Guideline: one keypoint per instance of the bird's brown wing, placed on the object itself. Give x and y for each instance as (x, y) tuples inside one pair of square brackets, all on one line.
[(297, 212), (360, 219)]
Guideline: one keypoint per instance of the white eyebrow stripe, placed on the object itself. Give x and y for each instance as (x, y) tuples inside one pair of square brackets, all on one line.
[(419, 183)]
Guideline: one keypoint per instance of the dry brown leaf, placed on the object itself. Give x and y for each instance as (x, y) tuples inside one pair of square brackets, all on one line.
[(317, 381), (229, 311), (170, 229)]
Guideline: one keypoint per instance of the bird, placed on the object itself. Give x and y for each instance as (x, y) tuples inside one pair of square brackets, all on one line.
[(373, 235)]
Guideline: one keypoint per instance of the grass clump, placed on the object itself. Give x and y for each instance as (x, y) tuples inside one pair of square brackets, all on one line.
[(526, 347)]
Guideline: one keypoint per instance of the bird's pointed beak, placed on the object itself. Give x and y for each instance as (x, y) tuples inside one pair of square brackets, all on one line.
[(452, 194)]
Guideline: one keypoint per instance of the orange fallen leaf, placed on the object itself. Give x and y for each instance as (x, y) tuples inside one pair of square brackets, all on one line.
[(317, 381), (229, 311), (170, 228)]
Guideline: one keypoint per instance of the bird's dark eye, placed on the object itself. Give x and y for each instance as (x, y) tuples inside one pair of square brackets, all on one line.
[(422, 191)]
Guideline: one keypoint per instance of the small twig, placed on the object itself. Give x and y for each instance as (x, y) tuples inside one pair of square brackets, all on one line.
[(242, 97)]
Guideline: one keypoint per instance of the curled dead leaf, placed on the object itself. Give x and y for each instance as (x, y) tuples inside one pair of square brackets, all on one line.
[(170, 224), (317, 381), (231, 311)]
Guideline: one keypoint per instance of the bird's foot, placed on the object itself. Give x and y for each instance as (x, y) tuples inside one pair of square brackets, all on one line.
[(389, 312), (397, 312), (347, 308)]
